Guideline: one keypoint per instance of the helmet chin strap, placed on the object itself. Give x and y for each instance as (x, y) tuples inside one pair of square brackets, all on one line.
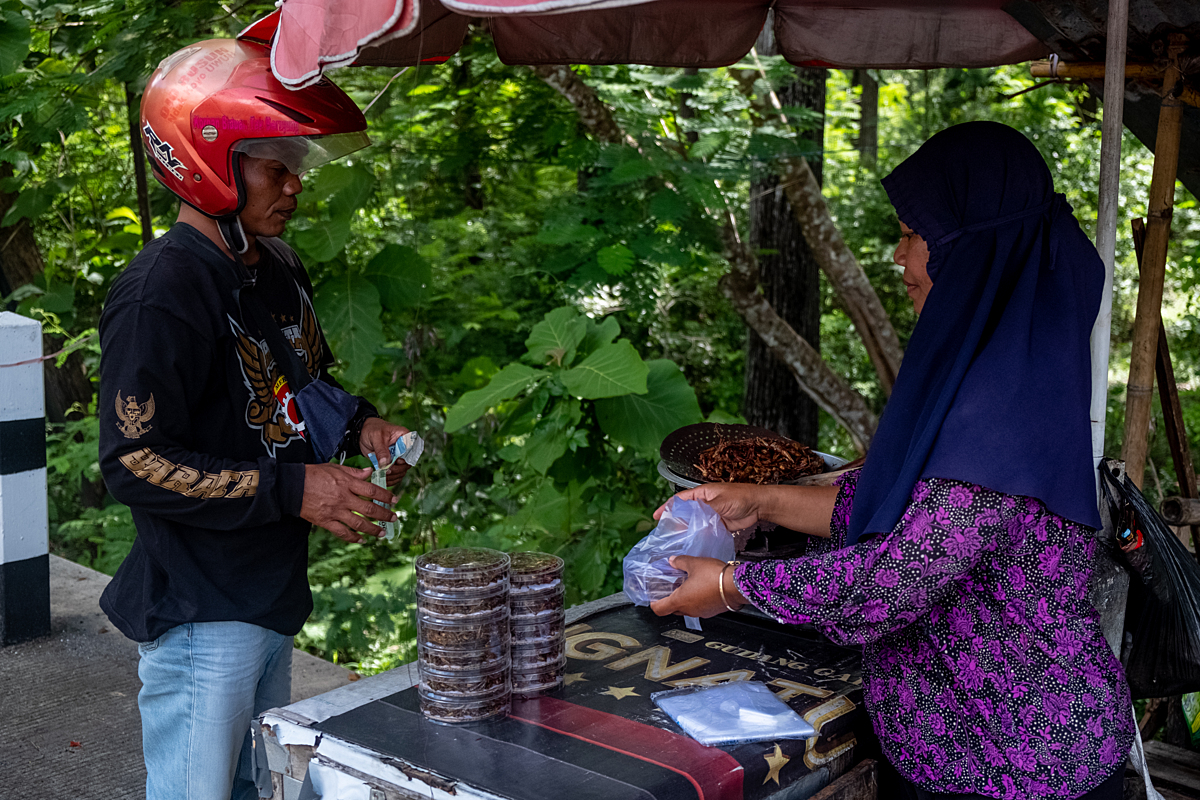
[(233, 234)]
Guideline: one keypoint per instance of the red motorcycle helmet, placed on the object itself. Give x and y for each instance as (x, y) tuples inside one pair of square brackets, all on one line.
[(214, 100)]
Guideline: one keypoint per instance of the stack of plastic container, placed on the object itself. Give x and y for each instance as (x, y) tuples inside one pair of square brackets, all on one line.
[(539, 654), (463, 634)]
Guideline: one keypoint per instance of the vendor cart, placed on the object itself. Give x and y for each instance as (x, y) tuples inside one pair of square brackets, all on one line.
[(600, 736)]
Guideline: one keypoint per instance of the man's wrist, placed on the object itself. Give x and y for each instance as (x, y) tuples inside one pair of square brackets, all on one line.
[(352, 443)]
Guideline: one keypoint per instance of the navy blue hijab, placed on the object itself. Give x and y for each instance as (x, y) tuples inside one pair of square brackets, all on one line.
[(995, 387)]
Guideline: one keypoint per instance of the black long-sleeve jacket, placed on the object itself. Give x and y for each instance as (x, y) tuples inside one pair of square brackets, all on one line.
[(195, 441)]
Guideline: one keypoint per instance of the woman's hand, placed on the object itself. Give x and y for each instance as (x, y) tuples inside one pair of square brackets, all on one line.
[(699, 596), (805, 509), (738, 504)]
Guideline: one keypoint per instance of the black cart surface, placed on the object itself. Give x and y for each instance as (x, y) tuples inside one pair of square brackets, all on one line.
[(600, 736)]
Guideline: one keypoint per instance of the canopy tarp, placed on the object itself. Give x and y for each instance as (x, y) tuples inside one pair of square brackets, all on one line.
[(314, 35), (308, 37)]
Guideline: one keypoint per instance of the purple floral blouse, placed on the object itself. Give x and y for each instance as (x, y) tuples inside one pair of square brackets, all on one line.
[(984, 667)]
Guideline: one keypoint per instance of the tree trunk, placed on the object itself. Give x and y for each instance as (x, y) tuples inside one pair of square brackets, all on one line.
[(845, 274), (830, 391), (790, 279), (868, 123), (685, 108), (597, 118), (139, 167), (21, 263)]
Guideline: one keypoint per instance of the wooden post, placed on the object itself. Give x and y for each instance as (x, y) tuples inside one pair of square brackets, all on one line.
[(1168, 396), (1150, 288)]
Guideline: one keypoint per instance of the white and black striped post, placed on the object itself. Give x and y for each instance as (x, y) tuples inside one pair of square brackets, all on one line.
[(24, 523)]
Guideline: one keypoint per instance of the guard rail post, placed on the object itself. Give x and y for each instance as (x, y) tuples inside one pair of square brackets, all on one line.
[(24, 522)]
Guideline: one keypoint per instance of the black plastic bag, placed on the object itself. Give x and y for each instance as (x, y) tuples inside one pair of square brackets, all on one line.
[(1161, 649)]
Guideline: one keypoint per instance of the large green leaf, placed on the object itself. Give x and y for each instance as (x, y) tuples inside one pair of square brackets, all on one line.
[(326, 240), (349, 309), (552, 435), (505, 385), (401, 275), (590, 564), (557, 513), (556, 337), (545, 445), (35, 201), (436, 495), (642, 421), (599, 334), (14, 40), (614, 369), (345, 187)]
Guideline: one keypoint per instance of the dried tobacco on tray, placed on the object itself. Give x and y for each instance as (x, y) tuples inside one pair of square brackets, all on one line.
[(759, 460)]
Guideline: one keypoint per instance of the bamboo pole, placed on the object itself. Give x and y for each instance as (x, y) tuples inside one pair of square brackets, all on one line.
[(1168, 398), (1092, 70), (1089, 70), (1150, 287)]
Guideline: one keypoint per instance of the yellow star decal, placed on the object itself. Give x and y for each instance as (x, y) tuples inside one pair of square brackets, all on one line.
[(573, 677), (619, 693), (776, 762)]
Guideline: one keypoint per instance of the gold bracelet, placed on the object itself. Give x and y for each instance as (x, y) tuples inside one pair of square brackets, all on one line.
[(721, 585)]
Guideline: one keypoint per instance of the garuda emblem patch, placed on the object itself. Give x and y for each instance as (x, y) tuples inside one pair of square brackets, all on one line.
[(265, 410), (134, 416)]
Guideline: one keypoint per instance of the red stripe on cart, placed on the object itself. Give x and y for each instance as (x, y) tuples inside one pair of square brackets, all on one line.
[(714, 774)]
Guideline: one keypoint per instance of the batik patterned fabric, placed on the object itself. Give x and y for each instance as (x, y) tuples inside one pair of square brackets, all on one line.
[(984, 666)]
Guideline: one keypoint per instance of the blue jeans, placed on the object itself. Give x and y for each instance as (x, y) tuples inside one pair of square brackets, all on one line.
[(202, 684)]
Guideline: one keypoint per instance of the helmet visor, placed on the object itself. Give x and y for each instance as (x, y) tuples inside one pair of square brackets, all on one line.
[(302, 153)]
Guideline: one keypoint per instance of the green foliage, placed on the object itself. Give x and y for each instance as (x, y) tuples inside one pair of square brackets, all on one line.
[(575, 435)]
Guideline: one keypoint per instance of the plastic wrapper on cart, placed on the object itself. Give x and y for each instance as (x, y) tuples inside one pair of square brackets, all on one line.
[(732, 713), (686, 528)]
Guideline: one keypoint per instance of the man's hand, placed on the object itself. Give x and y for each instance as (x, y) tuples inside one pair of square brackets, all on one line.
[(377, 437), (333, 492), (699, 595)]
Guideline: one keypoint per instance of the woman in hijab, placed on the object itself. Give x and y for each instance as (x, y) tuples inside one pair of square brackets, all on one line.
[(959, 555)]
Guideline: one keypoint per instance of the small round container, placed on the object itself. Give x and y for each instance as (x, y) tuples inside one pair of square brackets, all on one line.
[(478, 660), (464, 684), (543, 630), (528, 659), (537, 681), (534, 572), (537, 606), (453, 633), (462, 569), (447, 708), (461, 605)]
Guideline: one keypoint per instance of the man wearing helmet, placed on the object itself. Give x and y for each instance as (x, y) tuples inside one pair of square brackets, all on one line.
[(224, 484)]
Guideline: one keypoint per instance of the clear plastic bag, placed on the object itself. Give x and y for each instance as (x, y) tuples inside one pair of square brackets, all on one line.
[(732, 713), (687, 528)]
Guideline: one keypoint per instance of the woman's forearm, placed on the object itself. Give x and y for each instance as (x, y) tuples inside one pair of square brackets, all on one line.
[(805, 509)]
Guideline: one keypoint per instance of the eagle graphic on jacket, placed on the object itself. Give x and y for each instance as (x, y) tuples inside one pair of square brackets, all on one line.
[(261, 373)]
